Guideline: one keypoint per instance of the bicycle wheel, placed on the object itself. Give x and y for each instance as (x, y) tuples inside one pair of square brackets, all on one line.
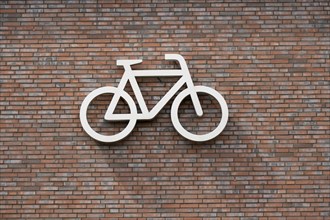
[(199, 137), (101, 137)]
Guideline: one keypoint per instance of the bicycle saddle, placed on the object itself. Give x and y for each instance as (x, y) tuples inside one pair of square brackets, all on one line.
[(128, 62)]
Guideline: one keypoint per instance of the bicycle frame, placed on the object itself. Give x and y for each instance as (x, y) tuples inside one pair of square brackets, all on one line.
[(132, 117), (130, 75)]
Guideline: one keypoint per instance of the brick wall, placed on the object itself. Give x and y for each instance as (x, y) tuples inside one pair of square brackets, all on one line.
[(270, 60)]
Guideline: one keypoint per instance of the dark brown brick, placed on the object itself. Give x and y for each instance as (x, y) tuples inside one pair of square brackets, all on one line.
[(269, 59)]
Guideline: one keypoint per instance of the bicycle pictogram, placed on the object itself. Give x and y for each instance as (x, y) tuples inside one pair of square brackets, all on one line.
[(146, 114)]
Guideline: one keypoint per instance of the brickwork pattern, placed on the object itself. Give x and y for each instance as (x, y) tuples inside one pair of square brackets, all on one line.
[(270, 60)]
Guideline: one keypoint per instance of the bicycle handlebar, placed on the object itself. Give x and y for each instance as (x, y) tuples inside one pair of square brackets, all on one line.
[(178, 58)]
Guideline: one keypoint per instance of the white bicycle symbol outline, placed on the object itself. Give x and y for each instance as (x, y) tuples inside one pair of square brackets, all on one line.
[(130, 75)]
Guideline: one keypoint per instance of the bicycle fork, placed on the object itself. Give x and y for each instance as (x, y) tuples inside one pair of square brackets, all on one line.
[(189, 82), (193, 95), (192, 91)]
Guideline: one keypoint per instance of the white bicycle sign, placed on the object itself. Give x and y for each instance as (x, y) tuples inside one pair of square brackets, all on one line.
[(132, 117)]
